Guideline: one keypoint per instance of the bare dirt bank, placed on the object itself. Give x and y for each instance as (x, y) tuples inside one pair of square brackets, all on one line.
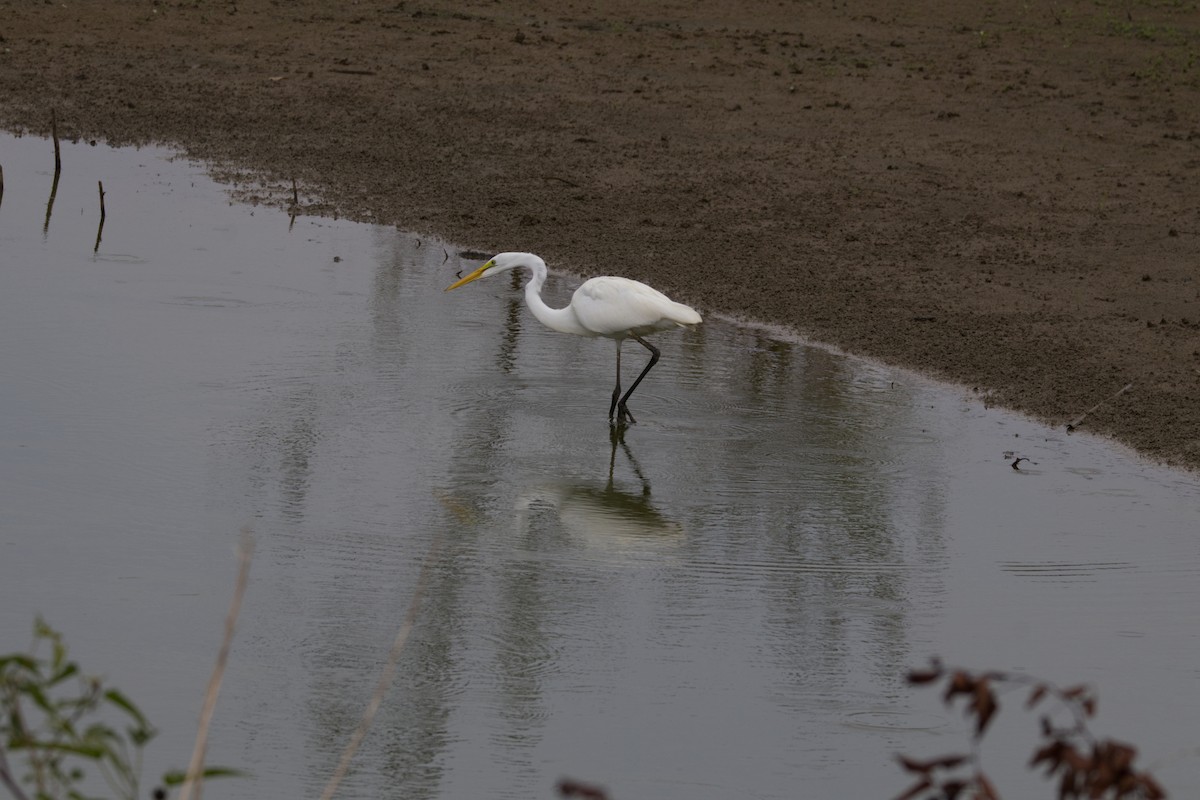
[(1005, 196)]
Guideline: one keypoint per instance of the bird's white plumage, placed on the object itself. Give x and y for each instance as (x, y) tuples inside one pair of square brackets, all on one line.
[(619, 307)]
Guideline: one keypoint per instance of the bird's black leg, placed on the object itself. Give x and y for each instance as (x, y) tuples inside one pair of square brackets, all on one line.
[(623, 412), (617, 391)]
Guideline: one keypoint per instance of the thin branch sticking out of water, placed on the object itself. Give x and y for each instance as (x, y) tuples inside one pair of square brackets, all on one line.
[(100, 229), (195, 770)]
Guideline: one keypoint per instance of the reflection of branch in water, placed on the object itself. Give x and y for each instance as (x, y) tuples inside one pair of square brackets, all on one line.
[(50, 205), (512, 332), (512, 329)]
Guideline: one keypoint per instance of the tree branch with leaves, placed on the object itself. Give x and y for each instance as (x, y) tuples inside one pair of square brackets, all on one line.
[(1084, 766)]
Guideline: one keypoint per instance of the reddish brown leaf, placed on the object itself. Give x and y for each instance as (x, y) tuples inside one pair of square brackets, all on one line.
[(1066, 786), (986, 790), (1101, 779), (919, 767), (952, 789), (950, 761), (1036, 695), (573, 788), (1120, 755), (1089, 706), (917, 677), (934, 672), (1150, 787), (960, 683), (1051, 753), (1076, 760), (984, 705), (915, 789)]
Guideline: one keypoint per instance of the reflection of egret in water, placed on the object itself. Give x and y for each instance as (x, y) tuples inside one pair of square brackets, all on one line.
[(605, 517)]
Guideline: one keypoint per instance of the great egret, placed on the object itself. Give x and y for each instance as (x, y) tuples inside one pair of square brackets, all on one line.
[(608, 306)]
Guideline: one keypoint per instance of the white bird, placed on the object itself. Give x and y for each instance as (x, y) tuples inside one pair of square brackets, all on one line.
[(608, 306)]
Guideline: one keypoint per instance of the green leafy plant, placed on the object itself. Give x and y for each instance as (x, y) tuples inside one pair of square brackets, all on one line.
[(56, 721)]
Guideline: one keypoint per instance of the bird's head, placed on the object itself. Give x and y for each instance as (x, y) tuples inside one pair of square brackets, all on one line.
[(498, 264)]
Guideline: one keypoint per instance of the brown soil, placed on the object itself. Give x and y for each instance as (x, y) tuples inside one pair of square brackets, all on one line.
[(1005, 194)]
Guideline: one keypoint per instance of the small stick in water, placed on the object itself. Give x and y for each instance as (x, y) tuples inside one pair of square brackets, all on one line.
[(100, 229), (295, 194)]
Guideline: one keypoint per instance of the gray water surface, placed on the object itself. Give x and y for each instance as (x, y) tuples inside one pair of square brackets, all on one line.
[(720, 603)]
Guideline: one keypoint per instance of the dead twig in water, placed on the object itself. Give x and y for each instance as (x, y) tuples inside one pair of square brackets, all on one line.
[(1073, 424), (295, 205), (100, 229), (354, 71), (1, 184), (385, 675), (195, 770)]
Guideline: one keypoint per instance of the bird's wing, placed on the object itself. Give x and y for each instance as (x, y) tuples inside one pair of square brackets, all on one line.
[(611, 306)]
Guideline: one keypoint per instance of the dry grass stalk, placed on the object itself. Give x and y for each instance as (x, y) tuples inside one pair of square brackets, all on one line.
[(195, 771), (385, 675)]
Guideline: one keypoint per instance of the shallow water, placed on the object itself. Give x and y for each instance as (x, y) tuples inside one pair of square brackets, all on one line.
[(722, 603)]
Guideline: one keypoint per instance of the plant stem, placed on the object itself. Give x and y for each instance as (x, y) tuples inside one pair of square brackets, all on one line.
[(385, 675), (195, 771), (6, 777)]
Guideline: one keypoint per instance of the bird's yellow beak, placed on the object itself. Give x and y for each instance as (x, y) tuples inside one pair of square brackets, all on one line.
[(476, 275)]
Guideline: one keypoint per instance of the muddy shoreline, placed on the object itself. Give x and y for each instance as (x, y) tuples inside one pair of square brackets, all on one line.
[(1005, 197)]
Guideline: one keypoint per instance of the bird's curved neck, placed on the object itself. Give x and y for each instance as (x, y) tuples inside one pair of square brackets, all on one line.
[(559, 319)]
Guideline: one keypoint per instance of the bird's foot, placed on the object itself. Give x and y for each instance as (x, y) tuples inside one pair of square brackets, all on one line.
[(623, 415)]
